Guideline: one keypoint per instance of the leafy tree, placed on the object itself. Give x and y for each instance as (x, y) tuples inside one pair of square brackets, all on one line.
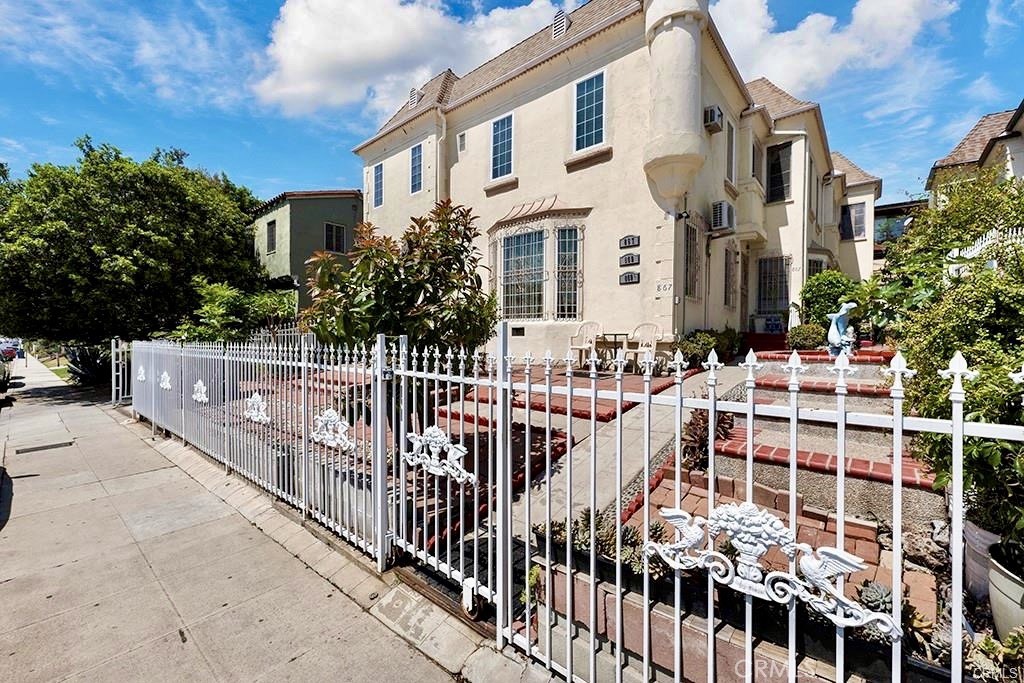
[(933, 314), (425, 284), (109, 246), (226, 313), (917, 268), (824, 293), (8, 189)]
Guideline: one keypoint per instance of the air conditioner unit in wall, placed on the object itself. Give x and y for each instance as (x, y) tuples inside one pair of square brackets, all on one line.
[(723, 216), (713, 119)]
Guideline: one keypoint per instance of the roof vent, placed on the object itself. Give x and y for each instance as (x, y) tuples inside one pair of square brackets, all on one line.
[(560, 25), (414, 97)]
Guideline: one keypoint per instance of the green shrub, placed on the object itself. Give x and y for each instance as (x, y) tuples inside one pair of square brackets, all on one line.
[(728, 344), (806, 337), (696, 346), (824, 293), (983, 317)]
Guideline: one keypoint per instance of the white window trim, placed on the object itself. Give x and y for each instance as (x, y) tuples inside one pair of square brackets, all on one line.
[(490, 159), (373, 175), (604, 112), (420, 145)]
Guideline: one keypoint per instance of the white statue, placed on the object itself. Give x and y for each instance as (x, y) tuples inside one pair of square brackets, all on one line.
[(840, 333)]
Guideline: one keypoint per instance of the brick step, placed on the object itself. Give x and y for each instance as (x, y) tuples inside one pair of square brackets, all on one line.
[(872, 388), (860, 357), (914, 475)]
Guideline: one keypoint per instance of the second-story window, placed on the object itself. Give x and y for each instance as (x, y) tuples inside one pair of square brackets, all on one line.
[(851, 222), (590, 112), (501, 148), (416, 169), (779, 162), (378, 185), (334, 237), (730, 152), (271, 237)]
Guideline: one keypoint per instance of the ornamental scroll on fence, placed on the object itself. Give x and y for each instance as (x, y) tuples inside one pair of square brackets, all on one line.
[(330, 430), (752, 532), (427, 450)]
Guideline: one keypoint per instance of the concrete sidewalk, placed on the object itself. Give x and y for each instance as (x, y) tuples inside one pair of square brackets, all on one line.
[(116, 564)]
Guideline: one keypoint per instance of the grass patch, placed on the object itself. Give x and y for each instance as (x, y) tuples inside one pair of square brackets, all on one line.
[(61, 372)]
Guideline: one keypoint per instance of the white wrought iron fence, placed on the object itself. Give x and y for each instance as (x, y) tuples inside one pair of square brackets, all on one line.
[(120, 372), (611, 543)]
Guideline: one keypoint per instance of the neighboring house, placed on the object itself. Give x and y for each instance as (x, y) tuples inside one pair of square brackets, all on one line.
[(623, 172), (891, 221), (856, 217), (293, 225), (996, 140)]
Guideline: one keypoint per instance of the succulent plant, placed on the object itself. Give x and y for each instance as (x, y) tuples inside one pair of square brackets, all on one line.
[(876, 596)]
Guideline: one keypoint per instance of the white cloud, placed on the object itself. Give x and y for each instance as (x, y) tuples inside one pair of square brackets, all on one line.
[(1002, 19), (191, 53), (983, 91), (335, 53), (880, 34)]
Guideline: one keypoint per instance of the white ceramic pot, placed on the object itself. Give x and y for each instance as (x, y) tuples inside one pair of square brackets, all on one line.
[(1006, 597), (977, 542)]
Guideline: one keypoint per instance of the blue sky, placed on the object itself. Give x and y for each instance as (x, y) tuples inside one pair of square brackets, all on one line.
[(277, 92)]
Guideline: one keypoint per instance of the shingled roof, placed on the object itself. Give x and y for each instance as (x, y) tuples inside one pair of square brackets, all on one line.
[(447, 88), (970, 149), (778, 102), (855, 175), (583, 19), (436, 91)]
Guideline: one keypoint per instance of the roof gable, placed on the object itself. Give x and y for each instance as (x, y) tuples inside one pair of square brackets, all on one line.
[(435, 92), (855, 175), (970, 149), (777, 101)]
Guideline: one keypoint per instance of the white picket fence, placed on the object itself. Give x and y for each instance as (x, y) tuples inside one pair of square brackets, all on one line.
[(991, 238), (468, 463)]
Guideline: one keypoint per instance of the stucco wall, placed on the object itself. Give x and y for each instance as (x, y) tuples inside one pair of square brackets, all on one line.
[(611, 192), (395, 152), (278, 262), (856, 257)]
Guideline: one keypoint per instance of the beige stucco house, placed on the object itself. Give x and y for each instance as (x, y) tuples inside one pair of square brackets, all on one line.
[(624, 173)]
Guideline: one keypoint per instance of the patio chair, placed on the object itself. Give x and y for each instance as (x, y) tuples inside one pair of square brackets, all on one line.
[(584, 342), (645, 337)]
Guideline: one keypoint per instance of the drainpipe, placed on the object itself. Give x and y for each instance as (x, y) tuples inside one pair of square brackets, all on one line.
[(806, 203), (437, 153)]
